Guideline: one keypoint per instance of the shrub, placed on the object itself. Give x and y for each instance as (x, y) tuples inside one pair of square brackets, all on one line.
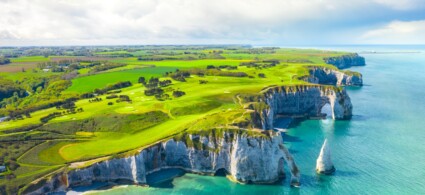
[(51, 116), (211, 67), (13, 165), (164, 83), (111, 96), (153, 91), (180, 75), (118, 85), (142, 80), (178, 93), (124, 98)]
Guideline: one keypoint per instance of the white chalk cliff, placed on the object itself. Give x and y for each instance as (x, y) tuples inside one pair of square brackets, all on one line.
[(304, 100), (346, 61), (324, 163), (246, 158), (328, 76)]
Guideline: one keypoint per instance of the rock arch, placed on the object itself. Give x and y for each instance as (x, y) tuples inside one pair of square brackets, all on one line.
[(304, 101)]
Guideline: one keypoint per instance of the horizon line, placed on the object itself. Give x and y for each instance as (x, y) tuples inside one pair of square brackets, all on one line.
[(251, 45)]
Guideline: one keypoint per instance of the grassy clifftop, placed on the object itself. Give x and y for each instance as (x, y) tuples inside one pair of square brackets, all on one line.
[(205, 95)]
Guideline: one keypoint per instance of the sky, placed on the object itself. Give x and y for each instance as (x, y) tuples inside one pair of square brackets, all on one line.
[(255, 22)]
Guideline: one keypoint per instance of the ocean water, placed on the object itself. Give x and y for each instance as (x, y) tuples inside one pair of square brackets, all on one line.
[(380, 151)]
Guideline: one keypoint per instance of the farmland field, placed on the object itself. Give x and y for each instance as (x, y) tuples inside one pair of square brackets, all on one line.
[(91, 82)]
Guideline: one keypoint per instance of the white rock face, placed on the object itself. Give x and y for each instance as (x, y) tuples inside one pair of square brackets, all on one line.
[(245, 158), (304, 101), (324, 163), (322, 75), (346, 61)]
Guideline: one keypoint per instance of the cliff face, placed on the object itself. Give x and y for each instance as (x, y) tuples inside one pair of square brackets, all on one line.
[(346, 61), (305, 101), (326, 76), (246, 158)]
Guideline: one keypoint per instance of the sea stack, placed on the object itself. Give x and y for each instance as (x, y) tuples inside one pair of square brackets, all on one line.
[(324, 163)]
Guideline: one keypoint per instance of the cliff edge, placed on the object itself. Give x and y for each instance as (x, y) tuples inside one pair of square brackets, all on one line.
[(346, 61), (245, 157)]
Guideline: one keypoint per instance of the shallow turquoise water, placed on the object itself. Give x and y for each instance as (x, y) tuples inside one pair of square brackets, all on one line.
[(380, 151)]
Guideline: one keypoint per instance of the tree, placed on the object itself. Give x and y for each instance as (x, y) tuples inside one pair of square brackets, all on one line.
[(210, 67), (142, 80), (154, 91), (178, 93), (12, 164), (164, 83)]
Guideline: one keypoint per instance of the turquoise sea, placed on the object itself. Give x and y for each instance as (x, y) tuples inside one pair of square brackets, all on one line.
[(380, 151)]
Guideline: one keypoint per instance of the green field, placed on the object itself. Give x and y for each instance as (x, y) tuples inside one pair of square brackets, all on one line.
[(30, 59), (90, 82), (107, 127)]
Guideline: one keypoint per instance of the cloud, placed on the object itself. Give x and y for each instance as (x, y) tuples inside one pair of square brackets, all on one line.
[(397, 32), (402, 4), (47, 22)]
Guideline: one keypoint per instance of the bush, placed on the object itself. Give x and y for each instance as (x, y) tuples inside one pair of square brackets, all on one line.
[(164, 83), (142, 80), (180, 75), (211, 67), (13, 165), (113, 92), (110, 103), (162, 97), (51, 116), (228, 67), (178, 93), (154, 91), (95, 100), (124, 98), (111, 96), (86, 95), (118, 85), (261, 75)]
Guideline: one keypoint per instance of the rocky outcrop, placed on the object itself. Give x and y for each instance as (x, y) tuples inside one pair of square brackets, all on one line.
[(247, 158), (328, 76), (346, 61), (301, 101), (324, 163)]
